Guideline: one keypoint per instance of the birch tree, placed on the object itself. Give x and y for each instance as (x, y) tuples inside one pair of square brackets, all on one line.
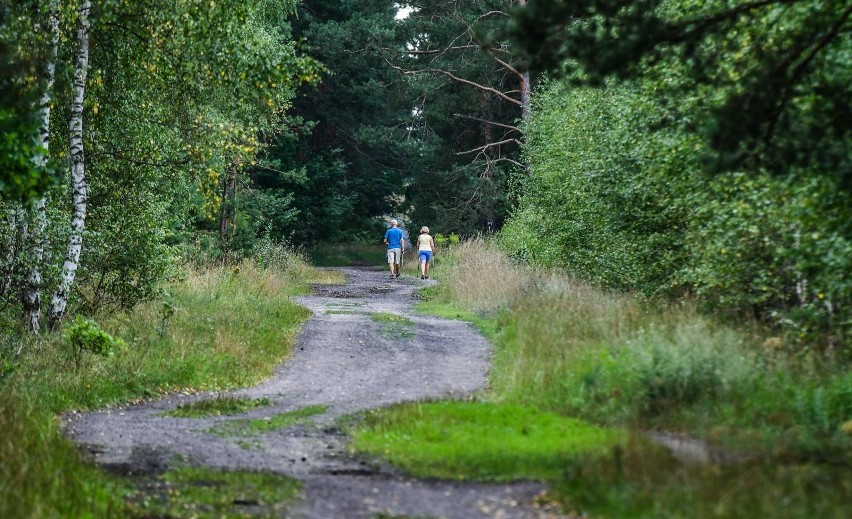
[(32, 293), (79, 184)]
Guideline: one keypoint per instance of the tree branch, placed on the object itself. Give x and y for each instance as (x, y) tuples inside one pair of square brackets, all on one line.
[(471, 83), (508, 126), (482, 148)]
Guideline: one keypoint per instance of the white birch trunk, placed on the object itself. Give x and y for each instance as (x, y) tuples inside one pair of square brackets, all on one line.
[(79, 184), (32, 292)]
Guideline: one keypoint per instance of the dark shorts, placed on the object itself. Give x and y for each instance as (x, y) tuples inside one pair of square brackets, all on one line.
[(425, 255)]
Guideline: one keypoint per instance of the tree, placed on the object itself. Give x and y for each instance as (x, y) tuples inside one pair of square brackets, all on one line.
[(779, 69), (472, 95), (79, 183), (348, 155), (168, 94)]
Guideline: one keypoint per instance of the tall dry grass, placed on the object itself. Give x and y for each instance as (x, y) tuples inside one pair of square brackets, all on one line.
[(478, 277)]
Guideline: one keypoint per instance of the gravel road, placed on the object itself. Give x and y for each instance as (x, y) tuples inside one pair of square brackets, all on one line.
[(346, 361)]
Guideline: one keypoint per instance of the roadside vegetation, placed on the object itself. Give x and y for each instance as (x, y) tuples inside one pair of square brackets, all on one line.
[(214, 329), (626, 362)]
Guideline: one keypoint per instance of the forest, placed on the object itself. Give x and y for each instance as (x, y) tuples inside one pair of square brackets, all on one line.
[(694, 157)]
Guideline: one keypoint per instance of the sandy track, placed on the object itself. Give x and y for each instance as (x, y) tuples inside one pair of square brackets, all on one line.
[(347, 362)]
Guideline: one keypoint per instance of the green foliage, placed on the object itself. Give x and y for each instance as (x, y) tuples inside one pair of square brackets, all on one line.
[(84, 335), (178, 97), (459, 176), (347, 254), (479, 441), (20, 179), (347, 158)]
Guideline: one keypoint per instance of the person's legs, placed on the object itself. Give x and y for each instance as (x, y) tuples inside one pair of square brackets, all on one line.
[(393, 259), (426, 258)]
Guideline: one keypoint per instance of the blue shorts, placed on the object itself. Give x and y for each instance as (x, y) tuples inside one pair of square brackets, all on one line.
[(425, 255)]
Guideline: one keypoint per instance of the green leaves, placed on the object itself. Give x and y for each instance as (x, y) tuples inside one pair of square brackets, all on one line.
[(84, 335)]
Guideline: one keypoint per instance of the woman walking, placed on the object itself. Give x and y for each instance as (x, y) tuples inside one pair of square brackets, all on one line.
[(425, 249)]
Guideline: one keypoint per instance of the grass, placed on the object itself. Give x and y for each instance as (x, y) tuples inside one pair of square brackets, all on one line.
[(328, 277), (618, 360), (479, 441), (213, 494), (393, 326), (216, 329), (216, 407), (254, 426)]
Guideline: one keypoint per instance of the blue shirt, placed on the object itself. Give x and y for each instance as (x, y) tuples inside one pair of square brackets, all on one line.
[(394, 238)]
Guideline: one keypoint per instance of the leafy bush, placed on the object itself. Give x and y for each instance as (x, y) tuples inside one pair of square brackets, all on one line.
[(84, 335)]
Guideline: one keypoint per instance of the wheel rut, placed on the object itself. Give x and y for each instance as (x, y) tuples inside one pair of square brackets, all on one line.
[(346, 362)]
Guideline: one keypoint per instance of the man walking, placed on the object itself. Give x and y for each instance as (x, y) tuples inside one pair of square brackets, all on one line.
[(395, 241)]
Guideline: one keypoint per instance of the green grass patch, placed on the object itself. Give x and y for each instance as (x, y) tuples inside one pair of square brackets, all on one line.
[(254, 426), (393, 326), (479, 441), (432, 303), (213, 494), (386, 317), (217, 407)]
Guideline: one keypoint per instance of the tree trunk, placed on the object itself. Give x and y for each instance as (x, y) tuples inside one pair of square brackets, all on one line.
[(15, 222), (32, 291), (79, 184), (526, 93)]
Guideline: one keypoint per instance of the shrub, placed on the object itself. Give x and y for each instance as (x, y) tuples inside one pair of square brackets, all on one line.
[(84, 335)]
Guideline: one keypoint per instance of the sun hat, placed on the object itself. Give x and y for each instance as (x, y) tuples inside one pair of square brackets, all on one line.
[(424, 229)]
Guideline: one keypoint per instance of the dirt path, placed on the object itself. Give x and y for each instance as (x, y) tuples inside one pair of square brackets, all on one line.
[(348, 362)]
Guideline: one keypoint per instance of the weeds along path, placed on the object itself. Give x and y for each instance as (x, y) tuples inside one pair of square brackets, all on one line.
[(352, 355)]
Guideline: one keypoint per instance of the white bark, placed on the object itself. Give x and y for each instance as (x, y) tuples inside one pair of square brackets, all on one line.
[(32, 292), (79, 184)]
